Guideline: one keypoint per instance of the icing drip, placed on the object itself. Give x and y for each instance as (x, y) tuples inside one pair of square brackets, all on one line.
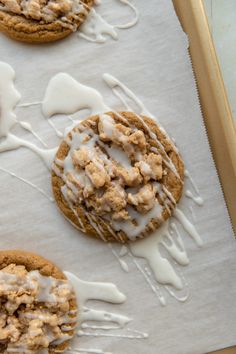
[(51, 199), (96, 28), (134, 230), (58, 133), (37, 103), (105, 292), (114, 335), (160, 266), (122, 263), (188, 226), (88, 351), (149, 249), (135, 19), (27, 126), (12, 142), (197, 199), (66, 95), (147, 276), (114, 83), (9, 97)]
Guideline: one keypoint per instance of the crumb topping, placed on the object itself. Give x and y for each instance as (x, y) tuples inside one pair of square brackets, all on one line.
[(67, 12), (34, 310), (111, 171)]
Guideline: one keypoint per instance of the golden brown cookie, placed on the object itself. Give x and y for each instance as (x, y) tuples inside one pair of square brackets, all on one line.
[(117, 176), (39, 21), (37, 303)]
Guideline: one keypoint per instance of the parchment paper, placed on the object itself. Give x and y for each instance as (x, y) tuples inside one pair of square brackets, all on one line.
[(152, 59)]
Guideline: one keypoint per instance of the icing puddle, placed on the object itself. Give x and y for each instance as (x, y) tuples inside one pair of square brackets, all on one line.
[(100, 323), (164, 251), (97, 29)]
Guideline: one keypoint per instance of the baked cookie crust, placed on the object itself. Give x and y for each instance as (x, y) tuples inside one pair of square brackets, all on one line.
[(41, 21), (155, 186), (33, 262)]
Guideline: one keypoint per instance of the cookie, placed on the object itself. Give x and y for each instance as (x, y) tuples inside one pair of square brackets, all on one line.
[(38, 305), (38, 21), (117, 176)]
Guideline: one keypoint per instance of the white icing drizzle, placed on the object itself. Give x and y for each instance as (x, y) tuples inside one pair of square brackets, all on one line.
[(29, 104), (175, 247), (104, 316), (135, 19), (197, 199), (147, 276), (12, 142), (140, 335), (188, 226), (108, 328), (184, 295), (96, 28), (57, 131), (9, 97), (133, 230), (105, 292), (8, 100), (27, 126), (183, 298), (149, 248), (51, 199), (162, 269), (66, 95), (122, 263), (64, 192), (88, 351), (192, 213), (50, 122), (114, 83), (187, 174), (123, 251)]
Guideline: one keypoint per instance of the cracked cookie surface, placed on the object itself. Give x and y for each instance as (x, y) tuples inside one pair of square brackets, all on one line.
[(39, 21), (117, 176)]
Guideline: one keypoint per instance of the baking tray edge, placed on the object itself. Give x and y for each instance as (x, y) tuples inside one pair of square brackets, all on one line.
[(216, 110)]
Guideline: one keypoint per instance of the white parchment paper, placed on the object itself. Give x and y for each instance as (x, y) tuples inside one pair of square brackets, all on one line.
[(152, 59)]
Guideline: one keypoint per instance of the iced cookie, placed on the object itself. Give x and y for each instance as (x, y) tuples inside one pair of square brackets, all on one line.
[(40, 20), (38, 307), (117, 176)]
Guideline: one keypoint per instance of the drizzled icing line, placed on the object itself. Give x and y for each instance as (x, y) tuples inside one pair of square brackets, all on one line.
[(9, 97), (96, 28), (51, 199), (105, 292)]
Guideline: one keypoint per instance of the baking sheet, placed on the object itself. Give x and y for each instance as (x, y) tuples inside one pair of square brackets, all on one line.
[(163, 79), (213, 97)]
